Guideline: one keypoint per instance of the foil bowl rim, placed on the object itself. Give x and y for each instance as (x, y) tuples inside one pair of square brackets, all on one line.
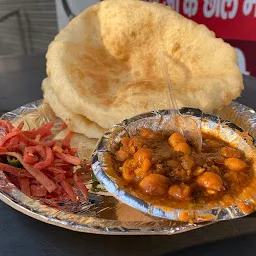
[(149, 208)]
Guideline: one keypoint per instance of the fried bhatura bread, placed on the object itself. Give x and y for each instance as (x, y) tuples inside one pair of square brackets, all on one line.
[(76, 123), (104, 65)]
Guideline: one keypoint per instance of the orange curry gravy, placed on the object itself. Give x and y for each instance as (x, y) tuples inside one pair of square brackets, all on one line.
[(164, 169)]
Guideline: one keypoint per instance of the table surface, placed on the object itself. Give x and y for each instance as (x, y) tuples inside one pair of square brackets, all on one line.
[(20, 83)]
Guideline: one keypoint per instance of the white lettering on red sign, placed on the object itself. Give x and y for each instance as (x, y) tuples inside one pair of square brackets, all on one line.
[(225, 9), (248, 7), (190, 7), (175, 4), (242, 61)]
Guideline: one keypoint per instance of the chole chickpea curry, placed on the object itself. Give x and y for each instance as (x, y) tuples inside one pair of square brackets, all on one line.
[(164, 169)]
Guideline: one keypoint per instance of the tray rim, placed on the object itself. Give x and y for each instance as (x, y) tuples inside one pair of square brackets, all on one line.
[(7, 199)]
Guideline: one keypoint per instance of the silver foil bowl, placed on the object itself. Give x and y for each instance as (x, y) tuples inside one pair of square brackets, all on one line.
[(102, 164)]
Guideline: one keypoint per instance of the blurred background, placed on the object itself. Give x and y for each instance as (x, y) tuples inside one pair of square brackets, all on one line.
[(28, 26)]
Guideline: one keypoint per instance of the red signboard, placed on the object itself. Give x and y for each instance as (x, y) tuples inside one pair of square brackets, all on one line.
[(232, 20)]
